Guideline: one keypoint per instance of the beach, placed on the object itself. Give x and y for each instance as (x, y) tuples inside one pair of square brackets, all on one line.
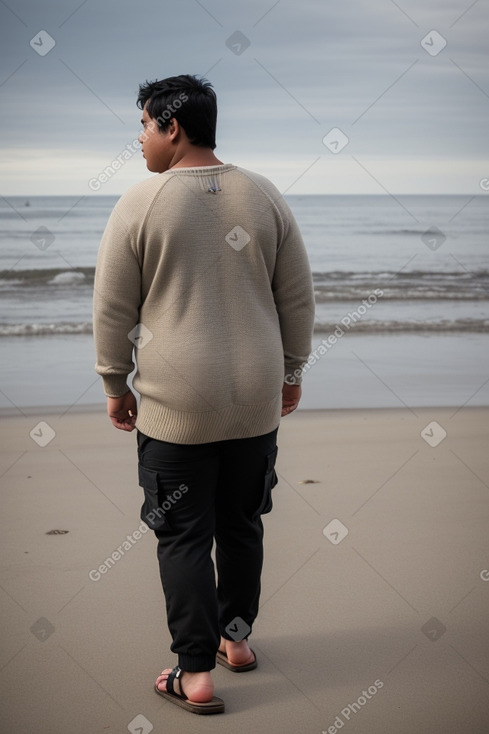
[(373, 613), (155, 233)]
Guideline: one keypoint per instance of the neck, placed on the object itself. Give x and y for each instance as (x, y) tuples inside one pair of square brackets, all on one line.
[(196, 157)]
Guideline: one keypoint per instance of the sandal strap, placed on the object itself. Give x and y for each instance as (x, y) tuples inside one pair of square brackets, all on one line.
[(175, 675)]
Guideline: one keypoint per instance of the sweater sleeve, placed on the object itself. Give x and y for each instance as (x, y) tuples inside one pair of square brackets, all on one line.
[(116, 302), (294, 299)]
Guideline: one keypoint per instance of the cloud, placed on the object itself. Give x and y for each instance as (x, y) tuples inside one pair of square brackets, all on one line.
[(308, 68)]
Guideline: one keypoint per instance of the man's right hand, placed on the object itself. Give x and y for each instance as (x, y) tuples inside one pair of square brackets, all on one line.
[(291, 394), (123, 411)]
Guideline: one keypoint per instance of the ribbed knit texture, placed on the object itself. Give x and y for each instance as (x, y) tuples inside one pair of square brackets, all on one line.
[(220, 286)]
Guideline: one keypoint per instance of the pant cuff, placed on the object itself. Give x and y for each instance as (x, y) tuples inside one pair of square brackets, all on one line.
[(196, 663), (226, 636)]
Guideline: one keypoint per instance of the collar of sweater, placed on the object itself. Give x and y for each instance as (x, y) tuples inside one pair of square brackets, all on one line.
[(202, 170)]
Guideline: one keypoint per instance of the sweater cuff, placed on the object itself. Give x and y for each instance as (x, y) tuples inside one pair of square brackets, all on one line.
[(293, 376), (115, 386)]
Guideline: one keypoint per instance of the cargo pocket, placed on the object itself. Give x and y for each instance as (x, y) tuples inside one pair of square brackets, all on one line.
[(270, 481), (152, 511)]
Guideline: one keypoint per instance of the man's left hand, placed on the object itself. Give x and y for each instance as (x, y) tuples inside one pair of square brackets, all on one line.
[(291, 395)]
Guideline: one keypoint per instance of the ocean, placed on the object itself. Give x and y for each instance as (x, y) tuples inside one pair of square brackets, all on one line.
[(400, 279)]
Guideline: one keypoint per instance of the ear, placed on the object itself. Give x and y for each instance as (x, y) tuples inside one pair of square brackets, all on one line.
[(174, 129)]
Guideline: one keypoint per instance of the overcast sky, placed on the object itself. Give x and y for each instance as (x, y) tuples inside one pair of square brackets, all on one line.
[(413, 113)]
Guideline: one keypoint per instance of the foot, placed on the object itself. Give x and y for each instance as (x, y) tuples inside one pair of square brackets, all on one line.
[(198, 687), (238, 653)]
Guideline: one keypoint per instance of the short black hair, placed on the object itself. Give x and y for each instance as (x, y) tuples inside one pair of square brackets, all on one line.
[(190, 100)]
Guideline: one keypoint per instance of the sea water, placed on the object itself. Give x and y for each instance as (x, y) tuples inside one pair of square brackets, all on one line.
[(403, 283)]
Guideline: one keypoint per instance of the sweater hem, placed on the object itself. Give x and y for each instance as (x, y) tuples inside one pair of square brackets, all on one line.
[(158, 421)]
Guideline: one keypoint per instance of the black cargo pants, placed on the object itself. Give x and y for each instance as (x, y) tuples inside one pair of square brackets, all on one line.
[(193, 494)]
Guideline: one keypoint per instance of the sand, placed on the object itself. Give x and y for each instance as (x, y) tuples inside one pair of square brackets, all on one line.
[(375, 588)]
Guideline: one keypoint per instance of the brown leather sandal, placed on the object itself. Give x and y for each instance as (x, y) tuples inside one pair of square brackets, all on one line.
[(214, 706), (222, 659)]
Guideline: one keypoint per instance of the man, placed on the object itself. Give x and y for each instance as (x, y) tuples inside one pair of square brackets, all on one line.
[(202, 268)]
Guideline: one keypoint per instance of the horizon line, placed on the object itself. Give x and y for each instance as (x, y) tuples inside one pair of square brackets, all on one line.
[(380, 193)]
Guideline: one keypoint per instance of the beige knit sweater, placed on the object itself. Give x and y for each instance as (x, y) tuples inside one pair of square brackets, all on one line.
[(214, 288)]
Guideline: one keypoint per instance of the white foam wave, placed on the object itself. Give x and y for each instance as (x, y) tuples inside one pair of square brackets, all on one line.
[(68, 278), (45, 329)]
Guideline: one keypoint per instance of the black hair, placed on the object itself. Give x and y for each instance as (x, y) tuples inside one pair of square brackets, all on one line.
[(188, 99)]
